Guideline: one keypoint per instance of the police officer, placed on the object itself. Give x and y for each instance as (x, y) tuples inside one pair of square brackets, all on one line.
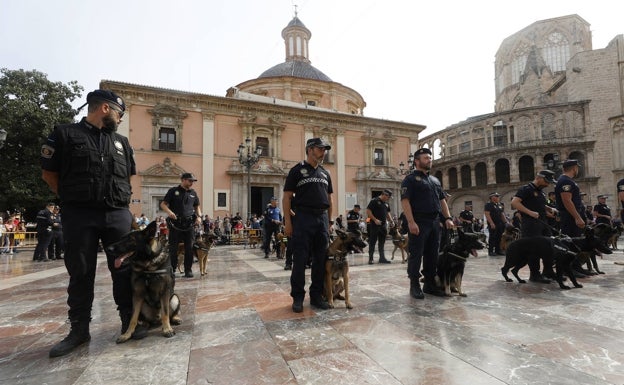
[(466, 218), (181, 203), (55, 250), (88, 164), (353, 219), (620, 192), (530, 201), (272, 222), (569, 202), (423, 201), (309, 187), (378, 210), (602, 212), (44, 233), (496, 222)]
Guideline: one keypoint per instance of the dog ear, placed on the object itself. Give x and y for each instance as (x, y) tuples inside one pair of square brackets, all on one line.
[(150, 229)]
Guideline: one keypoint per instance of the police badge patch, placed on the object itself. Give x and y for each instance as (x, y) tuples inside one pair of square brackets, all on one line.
[(118, 145), (47, 151), (566, 187)]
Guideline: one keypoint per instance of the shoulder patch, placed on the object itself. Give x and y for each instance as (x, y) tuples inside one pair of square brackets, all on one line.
[(566, 187), (47, 151), (621, 187)]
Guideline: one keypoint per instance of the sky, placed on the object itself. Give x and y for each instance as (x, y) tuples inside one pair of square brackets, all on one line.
[(421, 62)]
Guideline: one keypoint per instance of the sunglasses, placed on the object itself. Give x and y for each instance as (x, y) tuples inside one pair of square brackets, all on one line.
[(120, 112)]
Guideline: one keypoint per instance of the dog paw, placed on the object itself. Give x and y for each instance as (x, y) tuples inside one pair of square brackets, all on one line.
[(349, 306), (521, 281), (601, 272), (168, 333), (463, 295), (123, 338), (565, 287), (508, 280), (578, 285)]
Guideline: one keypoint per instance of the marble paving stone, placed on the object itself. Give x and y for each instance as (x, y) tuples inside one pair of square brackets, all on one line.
[(238, 328)]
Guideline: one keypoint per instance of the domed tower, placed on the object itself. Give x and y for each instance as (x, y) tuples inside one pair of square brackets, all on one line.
[(296, 80)]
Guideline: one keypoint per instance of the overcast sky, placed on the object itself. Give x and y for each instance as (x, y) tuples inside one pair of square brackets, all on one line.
[(424, 62)]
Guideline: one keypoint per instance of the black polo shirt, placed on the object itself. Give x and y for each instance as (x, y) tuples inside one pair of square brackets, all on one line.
[(311, 186), (533, 198), (496, 212), (424, 193), (379, 208), (567, 184), (353, 216), (602, 210), (182, 201)]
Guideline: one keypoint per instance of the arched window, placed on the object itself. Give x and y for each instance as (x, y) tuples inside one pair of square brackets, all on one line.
[(556, 51), (526, 168), (466, 178), (481, 174), (452, 174), (501, 168)]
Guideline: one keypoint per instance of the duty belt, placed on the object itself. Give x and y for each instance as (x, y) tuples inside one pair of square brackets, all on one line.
[(425, 215)]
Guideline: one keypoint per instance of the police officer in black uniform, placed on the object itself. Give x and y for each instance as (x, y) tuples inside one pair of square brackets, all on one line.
[(55, 250), (181, 203), (466, 218), (378, 210), (88, 164), (496, 222), (45, 221), (309, 187), (272, 222), (602, 212), (423, 202), (569, 202), (530, 201), (353, 219)]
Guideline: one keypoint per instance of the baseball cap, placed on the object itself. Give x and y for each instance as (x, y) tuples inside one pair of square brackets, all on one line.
[(188, 175)]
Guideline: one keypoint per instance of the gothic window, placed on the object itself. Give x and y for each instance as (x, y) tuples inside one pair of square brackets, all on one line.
[(481, 174), (502, 171), (526, 168), (518, 63), (167, 139), (556, 51), (466, 178), (378, 158), (500, 135)]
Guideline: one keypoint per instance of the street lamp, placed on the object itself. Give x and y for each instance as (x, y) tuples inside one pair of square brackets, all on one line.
[(3, 136), (247, 158), (552, 163), (410, 162)]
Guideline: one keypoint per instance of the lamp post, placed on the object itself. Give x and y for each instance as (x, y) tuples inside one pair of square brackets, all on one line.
[(247, 158), (410, 162), (552, 164), (3, 136)]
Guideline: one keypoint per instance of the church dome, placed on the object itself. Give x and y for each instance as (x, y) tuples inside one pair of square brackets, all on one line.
[(297, 69)]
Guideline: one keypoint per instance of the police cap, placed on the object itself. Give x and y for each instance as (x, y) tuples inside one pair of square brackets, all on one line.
[(189, 176), (571, 162), (494, 194), (318, 142), (108, 97), (549, 176), (356, 206), (387, 192), (423, 150), (602, 196)]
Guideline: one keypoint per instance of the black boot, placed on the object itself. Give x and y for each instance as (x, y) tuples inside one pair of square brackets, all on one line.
[(370, 260), (415, 290), (431, 288), (78, 335)]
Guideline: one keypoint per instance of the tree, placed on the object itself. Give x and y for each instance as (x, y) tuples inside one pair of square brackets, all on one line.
[(30, 106)]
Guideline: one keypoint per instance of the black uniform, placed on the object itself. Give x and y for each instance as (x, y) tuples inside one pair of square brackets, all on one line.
[(468, 216), (44, 235), (353, 216), (534, 199), (94, 167), (377, 232), (271, 228), (424, 193), (55, 250), (495, 234), (183, 203), (310, 237), (567, 223), (603, 210)]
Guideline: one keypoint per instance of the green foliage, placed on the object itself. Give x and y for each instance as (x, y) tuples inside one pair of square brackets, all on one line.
[(30, 107)]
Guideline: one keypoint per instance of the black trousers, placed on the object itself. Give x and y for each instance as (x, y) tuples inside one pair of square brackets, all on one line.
[(83, 228), (43, 241), (377, 235), (55, 249), (423, 249), (310, 238), (494, 237), (188, 238)]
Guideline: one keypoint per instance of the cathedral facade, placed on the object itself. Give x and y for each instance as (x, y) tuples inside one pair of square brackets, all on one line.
[(556, 99), (176, 131)]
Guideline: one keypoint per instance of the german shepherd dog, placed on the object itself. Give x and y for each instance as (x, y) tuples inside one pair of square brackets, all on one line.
[(400, 243), (152, 280), (201, 248), (510, 234), (337, 266), (612, 242), (604, 233), (452, 261)]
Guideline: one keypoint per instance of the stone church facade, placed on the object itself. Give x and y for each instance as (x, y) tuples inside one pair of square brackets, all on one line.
[(176, 131), (556, 99)]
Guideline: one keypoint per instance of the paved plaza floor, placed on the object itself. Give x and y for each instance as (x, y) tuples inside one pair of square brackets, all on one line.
[(238, 328)]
